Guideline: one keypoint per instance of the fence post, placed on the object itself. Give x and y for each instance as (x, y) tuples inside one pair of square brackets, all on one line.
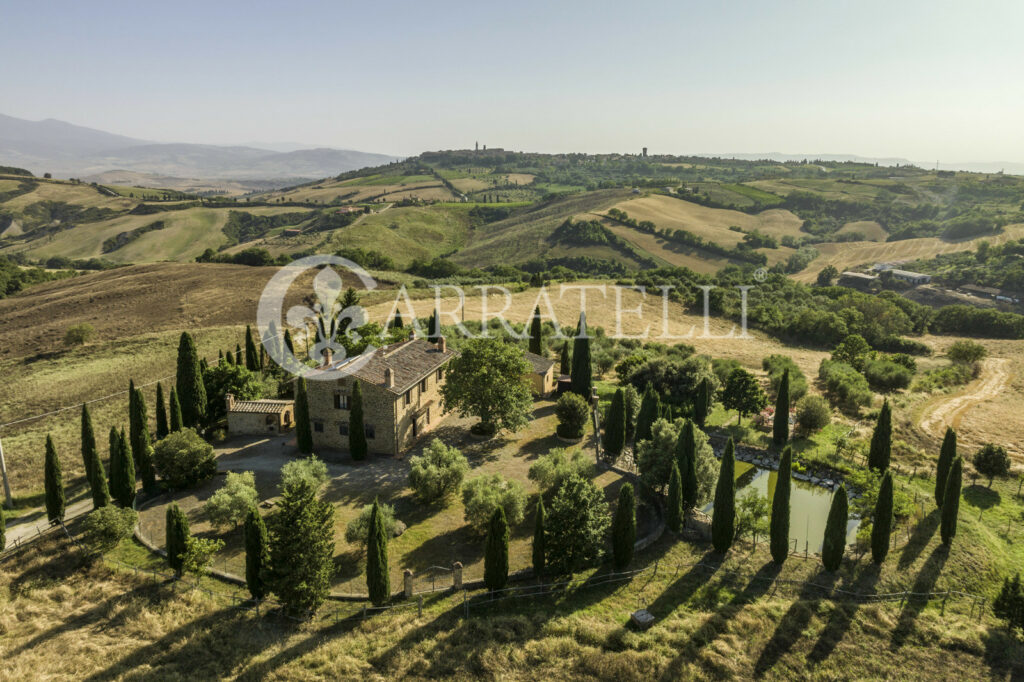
[(408, 583), (420, 606), (465, 602), (457, 575), (943, 613)]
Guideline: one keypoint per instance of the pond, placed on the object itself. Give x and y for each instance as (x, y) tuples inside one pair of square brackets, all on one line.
[(808, 504)]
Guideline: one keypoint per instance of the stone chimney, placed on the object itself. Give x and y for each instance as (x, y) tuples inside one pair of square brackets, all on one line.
[(230, 399), (442, 345), (328, 357), (389, 377)]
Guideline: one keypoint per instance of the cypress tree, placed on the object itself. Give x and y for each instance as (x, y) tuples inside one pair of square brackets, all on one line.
[(650, 408), (780, 508), (951, 501), (723, 521), (303, 428), (257, 554), (378, 580), (88, 444), (1009, 605), (176, 524), (538, 539), (252, 357), (615, 427), (582, 374), (496, 554), (98, 485), (536, 338), (687, 460), (946, 456), (229, 358), (881, 440), (397, 323), (702, 403), (141, 447), (161, 414), (301, 533), (238, 354), (624, 526), (189, 382), (176, 422), (674, 513), (138, 421), (356, 429), (220, 358), (565, 361), (780, 426), (54, 484), (122, 470), (882, 525), (834, 543), (288, 343)]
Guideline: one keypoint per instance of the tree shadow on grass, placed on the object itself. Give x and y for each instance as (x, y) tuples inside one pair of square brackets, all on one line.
[(684, 587), (982, 497), (843, 612), (1004, 654), (925, 582), (919, 539), (458, 544), (263, 669), (793, 623)]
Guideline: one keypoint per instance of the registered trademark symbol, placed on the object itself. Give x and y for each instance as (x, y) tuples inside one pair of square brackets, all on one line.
[(760, 274)]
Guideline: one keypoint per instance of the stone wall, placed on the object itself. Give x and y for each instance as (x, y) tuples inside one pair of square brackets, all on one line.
[(254, 424), (379, 406)]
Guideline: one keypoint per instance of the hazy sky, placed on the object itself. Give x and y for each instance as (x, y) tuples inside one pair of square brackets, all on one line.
[(920, 80)]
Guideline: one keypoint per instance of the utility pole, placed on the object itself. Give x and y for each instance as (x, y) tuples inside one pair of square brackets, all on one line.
[(3, 471)]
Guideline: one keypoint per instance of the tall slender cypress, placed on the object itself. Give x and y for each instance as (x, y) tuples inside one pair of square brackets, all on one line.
[(833, 545), (176, 421), (687, 458), (702, 403), (357, 445), (951, 501), (98, 485), (89, 452), (565, 361), (624, 527), (189, 382), (138, 421), (723, 521), (53, 481), (114, 463), (881, 527), (288, 343), (615, 427), (378, 579), (946, 456), (177, 531), (881, 440), (496, 553), (122, 470), (239, 359), (780, 508), (780, 426), (582, 374), (536, 338), (538, 539), (303, 427), (252, 357), (674, 512), (257, 554), (162, 429), (650, 409)]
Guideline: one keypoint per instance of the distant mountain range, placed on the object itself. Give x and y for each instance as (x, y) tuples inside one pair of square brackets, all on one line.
[(67, 150)]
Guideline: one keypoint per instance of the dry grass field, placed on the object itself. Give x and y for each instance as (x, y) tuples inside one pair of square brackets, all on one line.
[(845, 256), (68, 192), (871, 230)]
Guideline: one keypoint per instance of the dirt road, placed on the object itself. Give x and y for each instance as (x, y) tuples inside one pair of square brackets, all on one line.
[(950, 410)]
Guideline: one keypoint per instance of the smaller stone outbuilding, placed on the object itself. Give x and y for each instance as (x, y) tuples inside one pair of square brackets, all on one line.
[(259, 417), (542, 374)]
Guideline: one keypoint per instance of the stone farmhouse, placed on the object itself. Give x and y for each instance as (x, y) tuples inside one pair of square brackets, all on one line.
[(260, 417), (400, 384), (542, 374)]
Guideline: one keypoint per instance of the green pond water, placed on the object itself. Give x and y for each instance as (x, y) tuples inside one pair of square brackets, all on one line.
[(809, 505)]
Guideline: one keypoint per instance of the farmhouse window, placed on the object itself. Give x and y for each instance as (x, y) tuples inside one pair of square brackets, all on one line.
[(318, 427), (368, 428), (438, 373), (408, 396), (341, 401), (423, 385), (343, 428)]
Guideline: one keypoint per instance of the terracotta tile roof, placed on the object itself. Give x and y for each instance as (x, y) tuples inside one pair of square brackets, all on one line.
[(262, 406), (410, 361), (539, 363)]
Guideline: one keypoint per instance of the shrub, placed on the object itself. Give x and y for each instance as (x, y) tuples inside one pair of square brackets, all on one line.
[(79, 334), (358, 529), (813, 414), (559, 464), (885, 375), (309, 469), (104, 528), (572, 412), (846, 387), (992, 461), (775, 365), (576, 526), (232, 501), (853, 351), (199, 554), (438, 472), (483, 494), (752, 514), (184, 459), (966, 352)]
